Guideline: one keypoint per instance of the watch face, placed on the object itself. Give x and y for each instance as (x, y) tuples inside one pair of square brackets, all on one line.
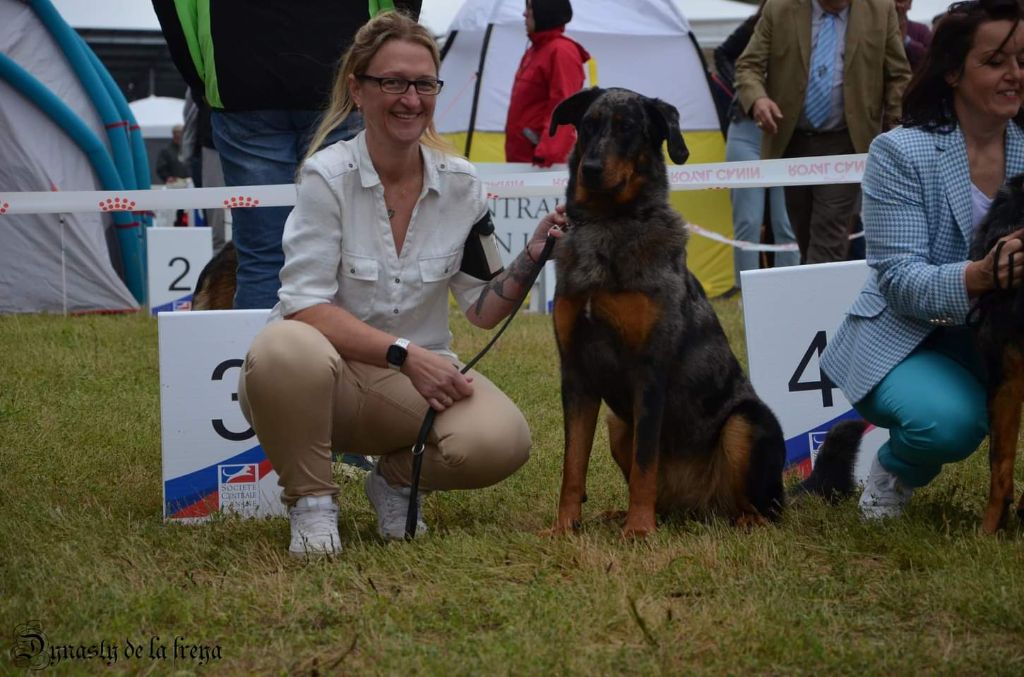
[(396, 355)]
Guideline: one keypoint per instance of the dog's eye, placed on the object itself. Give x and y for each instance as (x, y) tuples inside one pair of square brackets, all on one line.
[(627, 126)]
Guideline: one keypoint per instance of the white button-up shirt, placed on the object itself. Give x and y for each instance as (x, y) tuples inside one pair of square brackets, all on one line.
[(339, 249)]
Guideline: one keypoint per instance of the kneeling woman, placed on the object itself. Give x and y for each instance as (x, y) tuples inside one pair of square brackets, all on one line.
[(903, 354), (358, 346)]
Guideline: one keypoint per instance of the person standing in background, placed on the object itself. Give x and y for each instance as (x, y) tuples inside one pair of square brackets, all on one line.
[(171, 170), (204, 162), (743, 142), (823, 77), (916, 36), (265, 70), (550, 71), (169, 167)]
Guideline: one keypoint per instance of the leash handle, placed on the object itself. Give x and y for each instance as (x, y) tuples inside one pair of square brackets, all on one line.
[(980, 309), (995, 266), (412, 516)]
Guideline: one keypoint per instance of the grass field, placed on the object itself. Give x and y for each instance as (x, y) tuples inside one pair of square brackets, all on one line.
[(84, 552)]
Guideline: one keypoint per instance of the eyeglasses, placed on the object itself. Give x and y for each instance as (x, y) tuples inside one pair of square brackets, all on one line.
[(401, 85)]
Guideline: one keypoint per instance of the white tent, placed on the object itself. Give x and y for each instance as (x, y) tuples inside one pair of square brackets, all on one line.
[(647, 47), (157, 115), (712, 21), (49, 262), (626, 44), (437, 15)]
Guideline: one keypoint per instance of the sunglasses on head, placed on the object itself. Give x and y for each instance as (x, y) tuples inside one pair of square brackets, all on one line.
[(990, 6)]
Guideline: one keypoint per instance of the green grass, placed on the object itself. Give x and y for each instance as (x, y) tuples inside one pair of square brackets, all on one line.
[(84, 551)]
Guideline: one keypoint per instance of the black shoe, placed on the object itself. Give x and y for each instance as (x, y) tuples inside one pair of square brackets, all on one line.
[(356, 461)]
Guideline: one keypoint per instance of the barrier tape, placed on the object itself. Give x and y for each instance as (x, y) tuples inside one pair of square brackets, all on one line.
[(750, 246), (806, 171)]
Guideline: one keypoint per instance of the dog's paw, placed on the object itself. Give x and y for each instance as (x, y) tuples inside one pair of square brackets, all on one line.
[(995, 515), (992, 524), (638, 530), (611, 516), (560, 529), (749, 520)]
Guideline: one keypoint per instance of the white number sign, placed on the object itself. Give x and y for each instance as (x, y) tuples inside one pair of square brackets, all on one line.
[(212, 460), (175, 256), (790, 314)]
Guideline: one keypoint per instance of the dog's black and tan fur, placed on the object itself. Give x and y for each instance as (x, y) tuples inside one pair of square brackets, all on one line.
[(635, 330), (1000, 341)]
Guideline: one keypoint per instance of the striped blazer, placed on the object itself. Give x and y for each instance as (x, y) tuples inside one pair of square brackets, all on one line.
[(918, 230)]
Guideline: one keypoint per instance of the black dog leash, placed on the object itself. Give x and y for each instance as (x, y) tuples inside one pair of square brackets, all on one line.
[(981, 307), (995, 269), (428, 420)]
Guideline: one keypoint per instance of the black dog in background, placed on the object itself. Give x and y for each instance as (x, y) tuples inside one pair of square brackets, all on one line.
[(635, 330), (998, 317)]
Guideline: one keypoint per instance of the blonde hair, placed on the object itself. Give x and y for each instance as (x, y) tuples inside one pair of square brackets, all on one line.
[(368, 40)]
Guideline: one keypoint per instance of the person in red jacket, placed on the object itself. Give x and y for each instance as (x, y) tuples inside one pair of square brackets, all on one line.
[(551, 70)]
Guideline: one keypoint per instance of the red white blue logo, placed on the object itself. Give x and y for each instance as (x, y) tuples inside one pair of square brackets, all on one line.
[(238, 474)]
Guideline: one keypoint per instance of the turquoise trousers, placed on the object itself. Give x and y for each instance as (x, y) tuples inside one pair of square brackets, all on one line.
[(933, 404)]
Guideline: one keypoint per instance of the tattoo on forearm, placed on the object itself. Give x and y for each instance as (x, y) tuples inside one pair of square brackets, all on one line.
[(509, 286)]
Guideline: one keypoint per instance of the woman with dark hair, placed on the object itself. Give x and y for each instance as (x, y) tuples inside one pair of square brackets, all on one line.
[(743, 142), (551, 70), (903, 355)]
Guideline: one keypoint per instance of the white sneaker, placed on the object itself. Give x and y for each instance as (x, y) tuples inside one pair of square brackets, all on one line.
[(884, 494), (314, 522), (392, 506)]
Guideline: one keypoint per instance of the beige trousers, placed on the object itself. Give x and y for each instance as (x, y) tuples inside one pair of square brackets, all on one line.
[(305, 402)]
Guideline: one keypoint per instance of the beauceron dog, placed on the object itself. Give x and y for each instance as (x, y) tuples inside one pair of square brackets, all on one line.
[(998, 318), (635, 330)]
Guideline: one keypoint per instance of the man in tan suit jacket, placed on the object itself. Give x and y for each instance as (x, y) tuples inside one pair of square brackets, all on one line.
[(870, 73)]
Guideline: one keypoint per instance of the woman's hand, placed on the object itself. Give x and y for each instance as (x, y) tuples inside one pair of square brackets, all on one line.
[(1009, 267), (553, 224), (436, 378)]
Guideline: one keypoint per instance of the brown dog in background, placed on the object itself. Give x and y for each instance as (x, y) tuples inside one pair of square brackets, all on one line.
[(215, 288)]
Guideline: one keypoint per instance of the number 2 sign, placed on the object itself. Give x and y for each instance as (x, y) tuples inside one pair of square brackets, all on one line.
[(175, 256), (790, 314)]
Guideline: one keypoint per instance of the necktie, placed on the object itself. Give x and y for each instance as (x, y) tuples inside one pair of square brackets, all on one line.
[(818, 103)]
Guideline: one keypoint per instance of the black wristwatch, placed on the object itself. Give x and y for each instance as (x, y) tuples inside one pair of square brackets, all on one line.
[(397, 352)]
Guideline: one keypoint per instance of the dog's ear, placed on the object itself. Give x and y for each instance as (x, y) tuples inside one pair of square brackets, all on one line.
[(666, 120), (571, 110), (1017, 182)]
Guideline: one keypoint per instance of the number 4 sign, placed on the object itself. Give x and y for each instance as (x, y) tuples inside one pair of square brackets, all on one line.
[(175, 256), (790, 314)]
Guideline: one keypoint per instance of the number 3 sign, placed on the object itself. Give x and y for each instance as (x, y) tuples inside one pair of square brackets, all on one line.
[(790, 315), (212, 460), (174, 257)]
